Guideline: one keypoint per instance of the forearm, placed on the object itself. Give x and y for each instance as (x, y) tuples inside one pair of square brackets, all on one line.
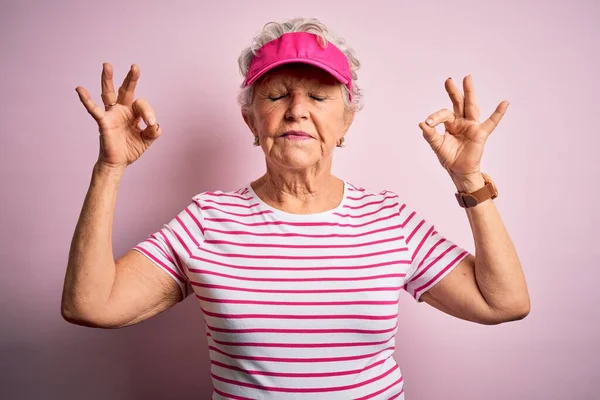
[(91, 267), (497, 268)]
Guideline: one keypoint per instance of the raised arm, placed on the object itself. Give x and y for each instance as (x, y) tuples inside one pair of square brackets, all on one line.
[(489, 287), (99, 291)]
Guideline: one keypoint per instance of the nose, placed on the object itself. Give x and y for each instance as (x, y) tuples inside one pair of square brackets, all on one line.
[(297, 107)]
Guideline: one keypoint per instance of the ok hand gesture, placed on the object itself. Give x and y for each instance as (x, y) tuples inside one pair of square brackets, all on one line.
[(122, 141), (460, 148)]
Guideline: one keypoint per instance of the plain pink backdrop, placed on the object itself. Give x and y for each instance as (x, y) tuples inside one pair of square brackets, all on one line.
[(541, 56)]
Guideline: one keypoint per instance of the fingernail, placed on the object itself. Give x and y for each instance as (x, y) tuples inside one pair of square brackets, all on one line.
[(429, 122), (151, 121)]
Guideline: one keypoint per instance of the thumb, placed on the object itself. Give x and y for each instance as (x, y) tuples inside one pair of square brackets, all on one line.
[(431, 135), (152, 132)]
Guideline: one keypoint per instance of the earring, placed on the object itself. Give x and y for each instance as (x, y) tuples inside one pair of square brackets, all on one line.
[(342, 142), (256, 142)]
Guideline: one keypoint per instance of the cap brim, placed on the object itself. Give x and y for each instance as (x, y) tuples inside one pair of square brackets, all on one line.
[(315, 63)]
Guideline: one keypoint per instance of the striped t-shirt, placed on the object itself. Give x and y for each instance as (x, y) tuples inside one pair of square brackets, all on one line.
[(302, 306)]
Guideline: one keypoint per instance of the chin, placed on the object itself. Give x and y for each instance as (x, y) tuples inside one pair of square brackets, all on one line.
[(296, 161)]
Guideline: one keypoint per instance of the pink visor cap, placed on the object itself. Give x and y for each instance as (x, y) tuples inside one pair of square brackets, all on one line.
[(300, 47)]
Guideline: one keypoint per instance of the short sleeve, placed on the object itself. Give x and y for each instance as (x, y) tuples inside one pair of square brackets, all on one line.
[(432, 255), (170, 247)]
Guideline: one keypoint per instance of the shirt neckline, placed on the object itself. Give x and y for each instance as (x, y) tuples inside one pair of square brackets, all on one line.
[(289, 215)]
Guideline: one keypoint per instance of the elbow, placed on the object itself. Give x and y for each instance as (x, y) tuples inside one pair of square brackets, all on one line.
[(516, 312), (78, 316)]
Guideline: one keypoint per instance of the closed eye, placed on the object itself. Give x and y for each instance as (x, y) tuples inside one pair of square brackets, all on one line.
[(317, 98), (276, 98)]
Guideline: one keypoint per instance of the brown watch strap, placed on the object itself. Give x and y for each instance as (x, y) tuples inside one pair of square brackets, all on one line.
[(488, 191)]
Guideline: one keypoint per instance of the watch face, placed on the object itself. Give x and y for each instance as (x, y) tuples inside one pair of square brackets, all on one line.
[(470, 201)]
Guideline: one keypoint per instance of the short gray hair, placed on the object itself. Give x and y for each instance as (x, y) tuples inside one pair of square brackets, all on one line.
[(273, 30)]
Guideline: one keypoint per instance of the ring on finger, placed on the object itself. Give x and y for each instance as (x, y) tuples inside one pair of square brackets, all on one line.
[(111, 105)]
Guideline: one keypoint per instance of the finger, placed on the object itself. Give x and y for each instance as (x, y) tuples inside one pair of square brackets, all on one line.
[(431, 135), (456, 97), (142, 109), (108, 90), (443, 116), (471, 109), (152, 132), (127, 89), (96, 112), (492, 122)]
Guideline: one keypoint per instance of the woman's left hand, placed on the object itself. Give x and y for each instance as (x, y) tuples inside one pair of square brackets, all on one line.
[(460, 148)]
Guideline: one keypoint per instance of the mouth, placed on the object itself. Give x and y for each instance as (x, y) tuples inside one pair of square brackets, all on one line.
[(296, 135)]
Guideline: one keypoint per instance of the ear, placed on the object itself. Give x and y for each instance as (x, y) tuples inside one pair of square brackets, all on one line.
[(348, 119), (249, 120)]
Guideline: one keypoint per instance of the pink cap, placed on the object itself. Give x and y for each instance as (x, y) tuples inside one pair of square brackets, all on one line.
[(300, 47)]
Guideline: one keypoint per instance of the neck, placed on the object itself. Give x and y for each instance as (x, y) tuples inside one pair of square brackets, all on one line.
[(299, 192)]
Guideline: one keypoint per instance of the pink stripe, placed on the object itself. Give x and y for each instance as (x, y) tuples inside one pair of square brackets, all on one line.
[(178, 263), (320, 279), (180, 240), (299, 374), (441, 272), (353, 188), (313, 331), (417, 276), (299, 316), (412, 234), (401, 209), (328, 257), (159, 248), (306, 246), (361, 197), (165, 266), (237, 214), (299, 360), (372, 289), (370, 396), (304, 390), (366, 214), (372, 194), (431, 250), (371, 203), (299, 303), (408, 219), (275, 223), (298, 345), (198, 224), (185, 228), (241, 197), (340, 268), (232, 204), (427, 235), (230, 396), (339, 235)]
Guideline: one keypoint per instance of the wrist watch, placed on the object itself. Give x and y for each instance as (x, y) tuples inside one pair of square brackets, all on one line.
[(489, 191)]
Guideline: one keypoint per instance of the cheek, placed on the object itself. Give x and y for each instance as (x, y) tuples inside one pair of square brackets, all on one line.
[(269, 117)]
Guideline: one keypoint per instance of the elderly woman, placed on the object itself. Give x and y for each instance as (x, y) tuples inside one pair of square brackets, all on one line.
[(298, 273)]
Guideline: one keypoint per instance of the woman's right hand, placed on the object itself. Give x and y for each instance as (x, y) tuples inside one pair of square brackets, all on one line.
[(122, 141)]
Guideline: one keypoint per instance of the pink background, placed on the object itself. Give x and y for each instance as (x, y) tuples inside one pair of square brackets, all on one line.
[(541, 56)]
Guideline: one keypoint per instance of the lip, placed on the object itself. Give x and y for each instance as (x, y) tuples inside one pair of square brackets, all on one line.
[(296, 135)]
